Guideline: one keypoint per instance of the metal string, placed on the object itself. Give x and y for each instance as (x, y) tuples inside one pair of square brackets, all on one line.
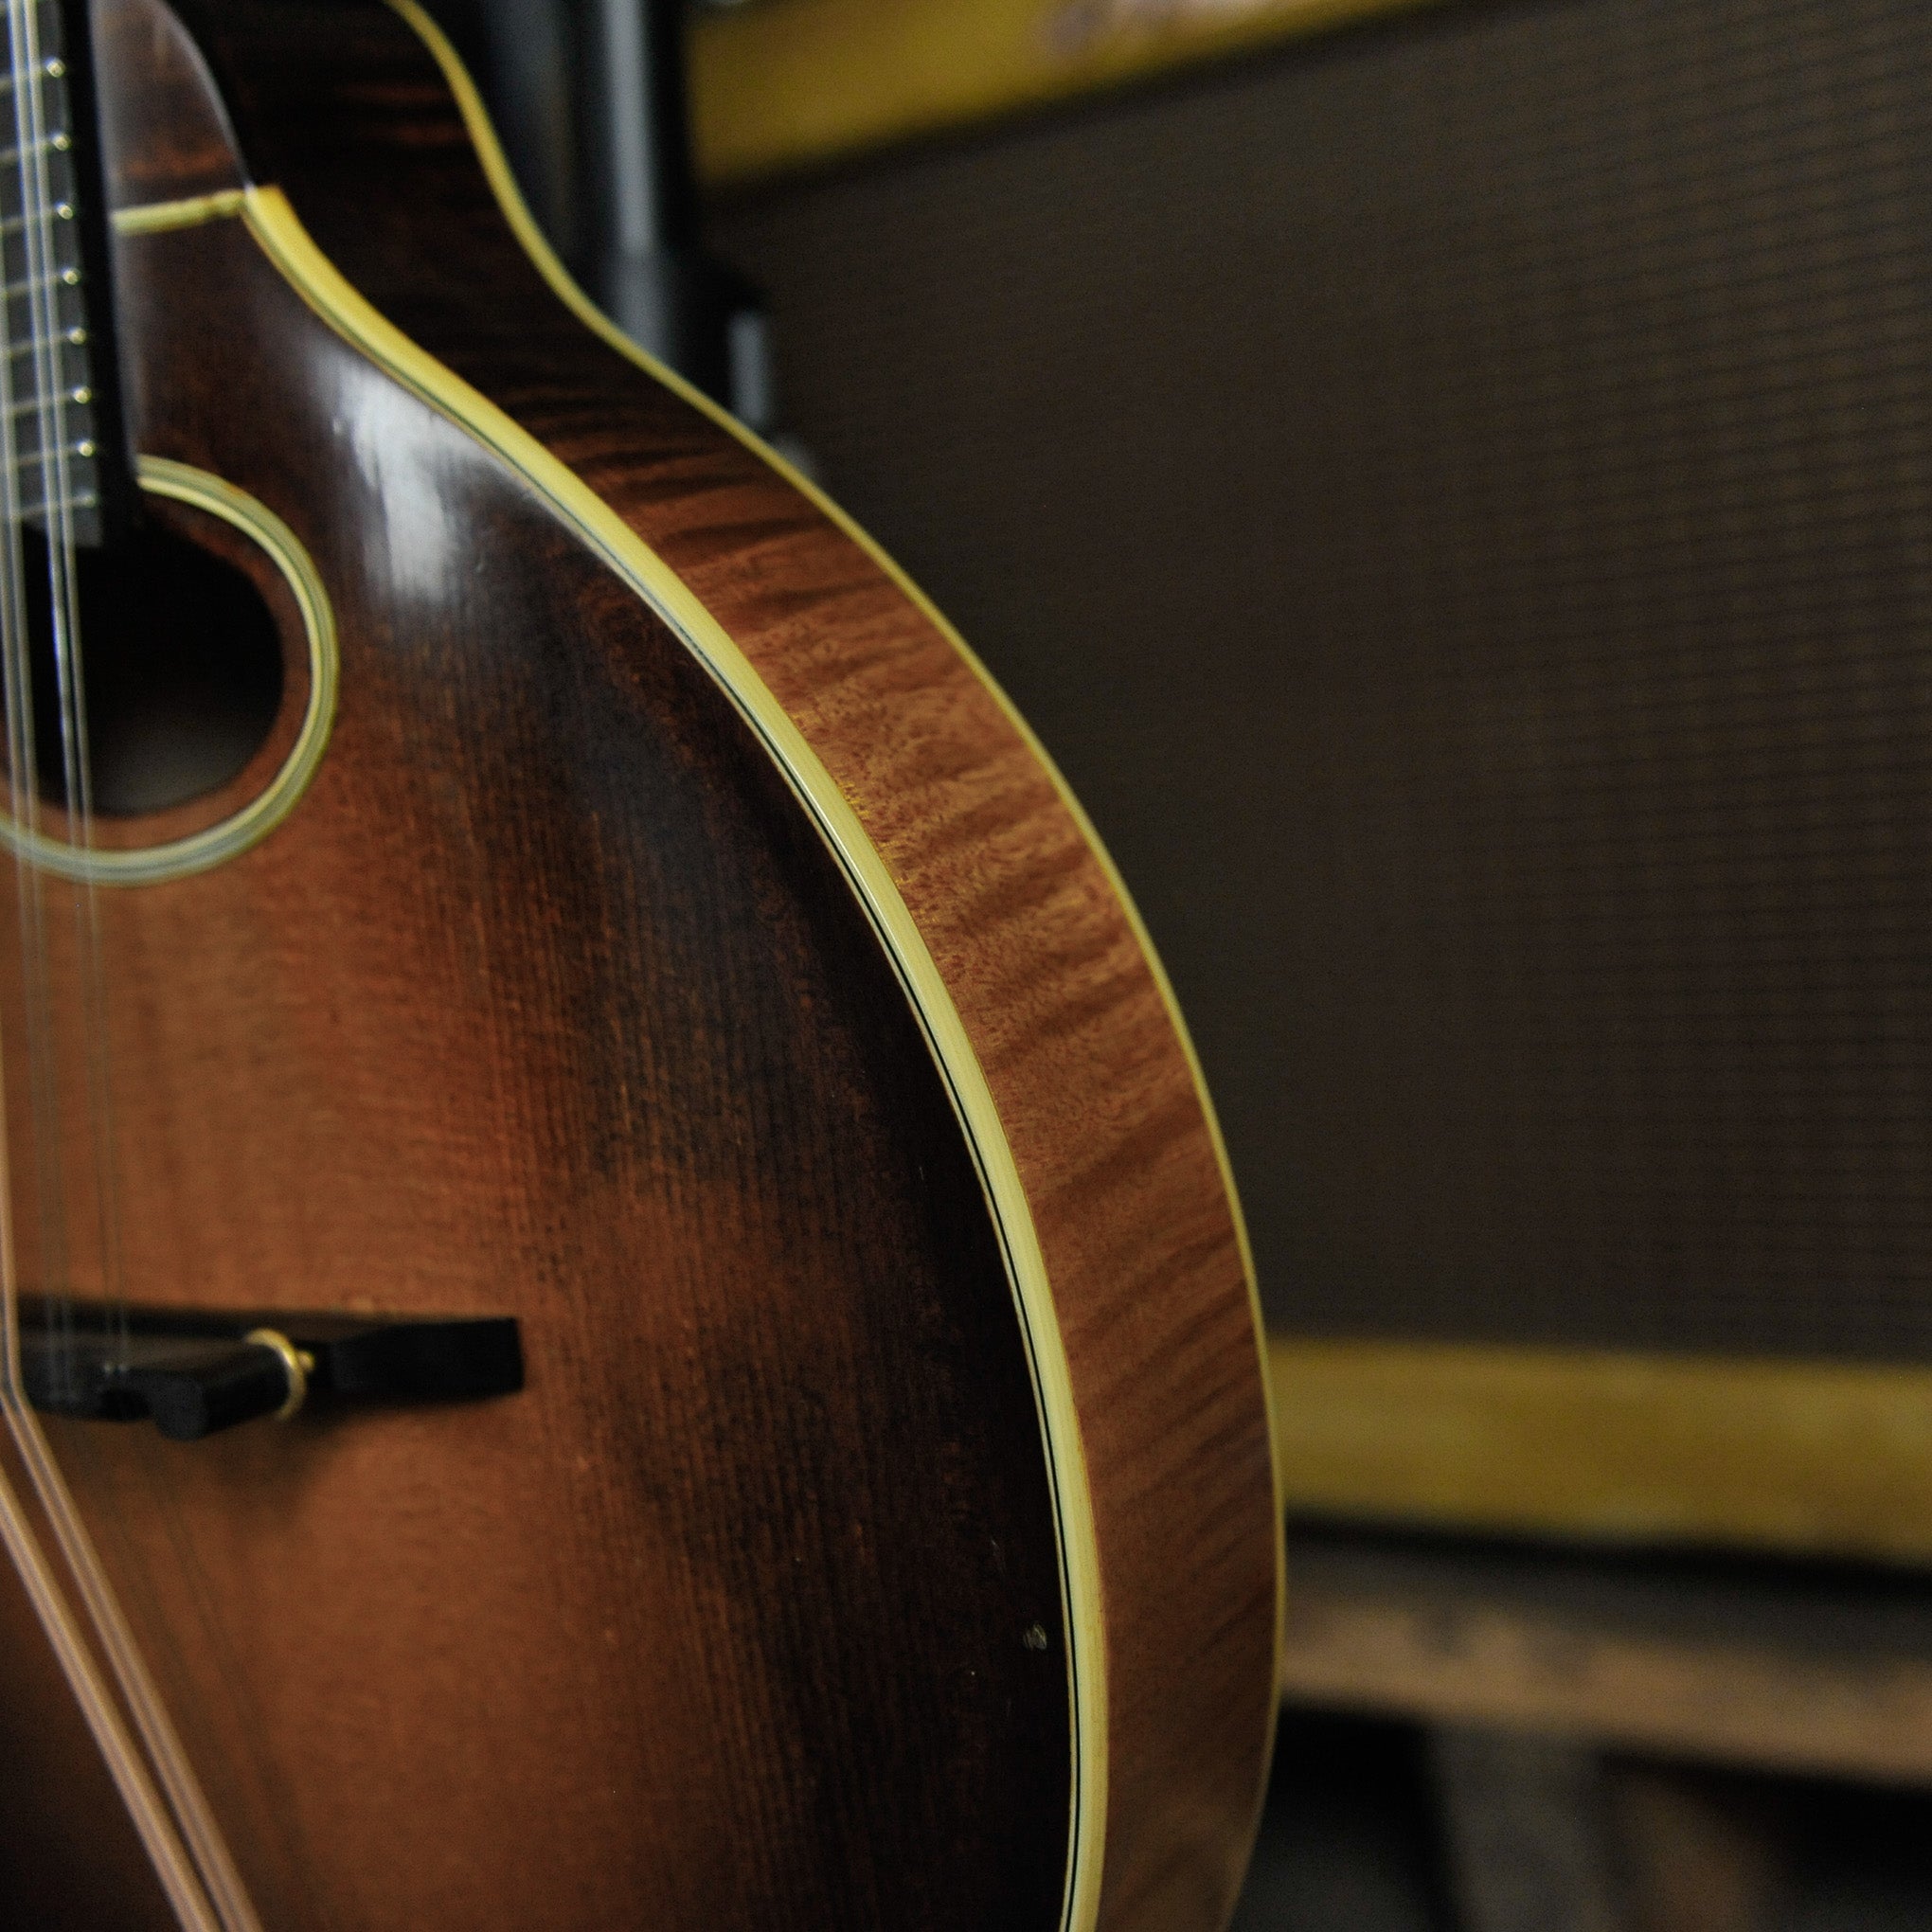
[(187, 1849)]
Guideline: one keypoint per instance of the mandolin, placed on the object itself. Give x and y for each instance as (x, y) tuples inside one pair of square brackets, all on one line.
[(622, 1301)]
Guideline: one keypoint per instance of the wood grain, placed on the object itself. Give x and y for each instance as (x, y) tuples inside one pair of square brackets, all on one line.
[(1046, 971), (1824, 1675), (548, 1000), (165, 132)]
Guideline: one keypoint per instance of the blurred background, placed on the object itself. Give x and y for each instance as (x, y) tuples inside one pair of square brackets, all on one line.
[(1450, 485)]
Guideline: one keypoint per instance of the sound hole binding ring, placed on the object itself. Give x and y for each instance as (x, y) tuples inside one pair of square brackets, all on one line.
[(215, 844)]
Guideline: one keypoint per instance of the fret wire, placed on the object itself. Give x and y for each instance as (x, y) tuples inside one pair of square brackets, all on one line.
[(74, 337), (60, 211), (58, 142), (81, 446), (51, 70), (54, 403), (65, 278)]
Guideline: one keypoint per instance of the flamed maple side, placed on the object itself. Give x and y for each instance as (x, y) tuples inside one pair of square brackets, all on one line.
[(553, 998)]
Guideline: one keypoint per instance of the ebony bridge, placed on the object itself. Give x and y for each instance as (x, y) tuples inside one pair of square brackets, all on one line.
[(193, 1372)]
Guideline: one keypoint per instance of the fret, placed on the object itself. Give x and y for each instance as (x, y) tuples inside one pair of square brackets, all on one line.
[(12, 225), (53, 68), (61, 400), (37, 461), (58, 143), (69, 338), (77, 438), (28, 285), (35, 507)]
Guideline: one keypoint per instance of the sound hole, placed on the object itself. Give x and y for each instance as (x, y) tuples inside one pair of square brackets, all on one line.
[(181, 668)]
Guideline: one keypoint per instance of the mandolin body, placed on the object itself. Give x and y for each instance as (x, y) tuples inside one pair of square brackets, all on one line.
[(675, 944)]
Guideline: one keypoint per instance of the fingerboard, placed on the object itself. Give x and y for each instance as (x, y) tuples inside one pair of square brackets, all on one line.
[(51, 392)]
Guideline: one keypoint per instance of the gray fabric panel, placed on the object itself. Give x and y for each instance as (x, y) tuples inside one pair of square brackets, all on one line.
[(1455, 497)]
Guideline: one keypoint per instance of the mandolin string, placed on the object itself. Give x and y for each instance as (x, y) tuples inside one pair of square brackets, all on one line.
[(22, 1545), (206, 1841), (152, 1823), (198, 1875), (155, 1829), (189, 1806)]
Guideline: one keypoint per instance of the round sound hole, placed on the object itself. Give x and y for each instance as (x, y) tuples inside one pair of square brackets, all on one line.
[(208, 668), (181, 668)]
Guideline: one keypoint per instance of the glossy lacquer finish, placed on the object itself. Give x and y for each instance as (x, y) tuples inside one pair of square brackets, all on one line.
[(764, 1605)]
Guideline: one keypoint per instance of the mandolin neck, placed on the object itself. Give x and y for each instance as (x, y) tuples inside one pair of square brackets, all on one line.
[(68, 460)]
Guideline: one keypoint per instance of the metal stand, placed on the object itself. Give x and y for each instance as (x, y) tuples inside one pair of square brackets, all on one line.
[(588, 98)]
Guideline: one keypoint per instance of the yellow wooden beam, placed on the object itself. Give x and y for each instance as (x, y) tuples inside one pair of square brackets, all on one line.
[(1826, 1459), (777, 84)]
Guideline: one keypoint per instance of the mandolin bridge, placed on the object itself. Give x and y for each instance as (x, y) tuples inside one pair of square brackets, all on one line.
[(192, 1372)]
